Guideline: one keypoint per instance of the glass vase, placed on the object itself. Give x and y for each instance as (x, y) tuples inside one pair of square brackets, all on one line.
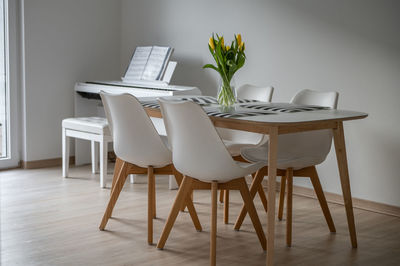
[(226, 93)]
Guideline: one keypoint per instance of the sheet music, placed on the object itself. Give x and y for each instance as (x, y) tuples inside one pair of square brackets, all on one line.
[(156, 63), (138, 62), (148, 63)]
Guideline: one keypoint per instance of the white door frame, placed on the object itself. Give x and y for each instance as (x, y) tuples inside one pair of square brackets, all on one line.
[(12, 98)]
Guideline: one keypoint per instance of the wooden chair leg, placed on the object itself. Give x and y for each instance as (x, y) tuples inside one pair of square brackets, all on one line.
[(189, 202), (261, 194), (154, 199), (119, 184), (221, 195), (226, 206), (183, 192), (322, 200), (150, 205), (289, 177), (193, 213), (249, 205), (117, 168), (282, 197), (183, 207), (213, 234), (253, 190)]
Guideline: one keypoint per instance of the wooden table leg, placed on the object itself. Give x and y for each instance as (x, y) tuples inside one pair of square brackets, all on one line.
[(341, 157), (213, 233), (150, 204), (272, 159), (289, 210)]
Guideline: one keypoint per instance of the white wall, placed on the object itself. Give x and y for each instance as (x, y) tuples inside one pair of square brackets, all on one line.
[(349, 46), (352, 47), (65, 42)]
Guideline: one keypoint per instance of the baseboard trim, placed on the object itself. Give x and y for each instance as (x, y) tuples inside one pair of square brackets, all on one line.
[(45, 163), (338, 199)]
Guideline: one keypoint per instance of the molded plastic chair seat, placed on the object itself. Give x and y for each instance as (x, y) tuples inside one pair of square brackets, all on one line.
[(139, 150), (235, 147), (284, 160), (200, 155), (234, 140), (242, 169), (298, 153), (96, 125)]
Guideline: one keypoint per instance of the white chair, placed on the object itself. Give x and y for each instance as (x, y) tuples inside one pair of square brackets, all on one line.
[(139, 150), (235, 140), (200, 155), (298, 154), (94, 129)]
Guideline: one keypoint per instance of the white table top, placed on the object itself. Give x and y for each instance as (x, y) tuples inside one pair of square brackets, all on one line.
[(275, 117)]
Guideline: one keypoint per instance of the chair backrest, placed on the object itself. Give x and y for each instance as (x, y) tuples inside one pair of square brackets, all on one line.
[(197, 149), (312, 146), (251, 92), (135, 138), (320, 98)]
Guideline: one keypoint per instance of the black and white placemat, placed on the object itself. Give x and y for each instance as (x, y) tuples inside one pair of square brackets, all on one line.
[(234, 113), (215, 110), (204, 100), (200, 100), (283, 107), (245, 108)]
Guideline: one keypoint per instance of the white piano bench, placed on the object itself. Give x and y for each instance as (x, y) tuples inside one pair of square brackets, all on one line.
[(94, 129)]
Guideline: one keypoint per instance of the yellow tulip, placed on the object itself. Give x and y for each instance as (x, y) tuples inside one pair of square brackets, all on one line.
[(211, 43), (239, 39), (241, 47), (227, 47), (222, 42)]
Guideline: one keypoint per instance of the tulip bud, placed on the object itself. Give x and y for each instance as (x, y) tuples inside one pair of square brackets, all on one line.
[(239, 39), (211, 43), (227, 47), (241, 47), (222, 41)]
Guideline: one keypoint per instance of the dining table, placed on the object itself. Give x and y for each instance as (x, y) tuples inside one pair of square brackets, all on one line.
[(274, 119)]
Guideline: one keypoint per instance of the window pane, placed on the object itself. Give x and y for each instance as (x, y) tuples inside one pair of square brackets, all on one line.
[(3, 87)]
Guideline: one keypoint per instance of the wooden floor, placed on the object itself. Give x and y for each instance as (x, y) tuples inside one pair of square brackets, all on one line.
[(48, 220)]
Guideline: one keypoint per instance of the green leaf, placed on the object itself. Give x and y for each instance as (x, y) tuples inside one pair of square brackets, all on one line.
[(241, 60), (210, 66)]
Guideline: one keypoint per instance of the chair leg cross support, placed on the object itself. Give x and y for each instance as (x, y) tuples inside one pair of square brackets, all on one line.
[(121, 172), (287, 178), (256, 184), (188, 185)]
